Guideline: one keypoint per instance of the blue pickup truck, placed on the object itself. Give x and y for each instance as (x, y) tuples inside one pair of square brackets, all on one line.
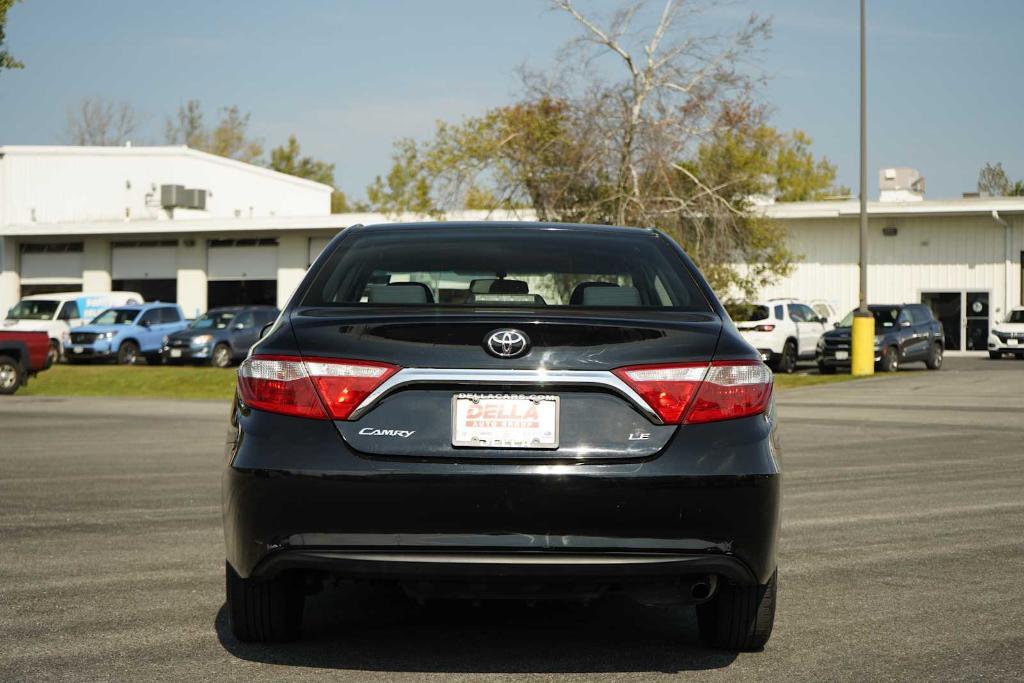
[(125, 333)]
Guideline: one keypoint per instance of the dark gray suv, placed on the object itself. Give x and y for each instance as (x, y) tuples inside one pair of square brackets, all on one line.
[(219, 337)]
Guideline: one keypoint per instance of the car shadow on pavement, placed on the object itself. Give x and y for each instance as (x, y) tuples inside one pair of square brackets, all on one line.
[(382, 630)]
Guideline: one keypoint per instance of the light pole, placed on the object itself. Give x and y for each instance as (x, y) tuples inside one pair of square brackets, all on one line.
[(862, 342)]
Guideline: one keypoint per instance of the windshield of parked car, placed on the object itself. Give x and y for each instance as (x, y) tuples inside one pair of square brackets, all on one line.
[(116, 316), (885, 316), (1016, 316), (505, 267), (33, 309), (213, 320)]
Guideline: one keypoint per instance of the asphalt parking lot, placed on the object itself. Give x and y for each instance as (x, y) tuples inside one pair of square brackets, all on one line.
[(902, 555)]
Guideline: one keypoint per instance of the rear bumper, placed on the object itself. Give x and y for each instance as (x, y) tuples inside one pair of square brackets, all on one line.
[(296, 497), (185, 353)]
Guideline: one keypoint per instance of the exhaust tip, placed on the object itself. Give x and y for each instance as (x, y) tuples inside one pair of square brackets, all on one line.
[(700, 590)]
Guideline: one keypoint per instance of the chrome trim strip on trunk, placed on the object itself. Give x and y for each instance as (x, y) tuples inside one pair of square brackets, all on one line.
[(508, 558), (541, 378)]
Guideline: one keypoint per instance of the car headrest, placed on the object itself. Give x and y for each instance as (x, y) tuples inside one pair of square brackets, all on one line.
[(509, 287), (482, 285), (400, 293), (576, 299), (611, 296)]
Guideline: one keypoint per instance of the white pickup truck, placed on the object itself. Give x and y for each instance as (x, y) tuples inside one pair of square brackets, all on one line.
[(57, 313)]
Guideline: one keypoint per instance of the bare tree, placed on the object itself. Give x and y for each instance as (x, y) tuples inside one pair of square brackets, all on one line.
[(95, 121), (229, 138), (678, 88)]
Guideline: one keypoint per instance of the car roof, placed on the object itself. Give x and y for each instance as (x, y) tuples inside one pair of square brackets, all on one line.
[(518, 225)]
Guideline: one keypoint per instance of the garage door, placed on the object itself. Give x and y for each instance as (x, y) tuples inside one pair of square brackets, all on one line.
[(53, 263), (144, 260), (316, 245), (242, 260)]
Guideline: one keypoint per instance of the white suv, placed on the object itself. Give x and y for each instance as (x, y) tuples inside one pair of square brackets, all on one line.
[(783, 331), (1008, 336)]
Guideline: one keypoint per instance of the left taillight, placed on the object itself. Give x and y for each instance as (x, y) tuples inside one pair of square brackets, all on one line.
[(318, 388), (692, 393)]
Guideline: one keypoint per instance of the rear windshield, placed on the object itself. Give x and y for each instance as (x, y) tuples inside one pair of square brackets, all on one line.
[(505, 267), (885, 316), (217, 320)]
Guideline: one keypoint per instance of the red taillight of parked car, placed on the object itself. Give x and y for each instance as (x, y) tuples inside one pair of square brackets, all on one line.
[(689, 393), (319, 388), (764, 328)]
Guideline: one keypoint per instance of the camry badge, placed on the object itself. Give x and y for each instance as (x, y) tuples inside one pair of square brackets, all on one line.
[(507, 343)]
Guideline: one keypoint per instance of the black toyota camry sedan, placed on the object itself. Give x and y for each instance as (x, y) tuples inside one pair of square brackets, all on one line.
[(504, 410)]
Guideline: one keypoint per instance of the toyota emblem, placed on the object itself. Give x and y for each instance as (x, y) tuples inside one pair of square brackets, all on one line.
[(507, 343)]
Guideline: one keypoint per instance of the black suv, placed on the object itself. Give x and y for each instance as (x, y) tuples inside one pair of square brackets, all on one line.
[(904, 333), (504, 410)]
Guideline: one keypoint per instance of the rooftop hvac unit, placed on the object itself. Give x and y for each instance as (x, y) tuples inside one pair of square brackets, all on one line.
[(179, 197)]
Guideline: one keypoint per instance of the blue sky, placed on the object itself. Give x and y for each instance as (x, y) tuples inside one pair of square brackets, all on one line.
[(348, 77)]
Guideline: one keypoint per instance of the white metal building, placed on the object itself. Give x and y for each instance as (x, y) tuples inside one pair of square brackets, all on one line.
[(181, 225)]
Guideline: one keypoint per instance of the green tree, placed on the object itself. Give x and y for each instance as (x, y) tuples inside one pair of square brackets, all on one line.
[(406, 188), (288, 159), (7, 60), (229, 138)]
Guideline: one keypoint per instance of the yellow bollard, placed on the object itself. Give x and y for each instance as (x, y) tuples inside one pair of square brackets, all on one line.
[(862, 345)]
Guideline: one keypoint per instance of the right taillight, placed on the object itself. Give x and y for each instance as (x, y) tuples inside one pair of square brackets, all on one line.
[(690, 393), (318, 388)]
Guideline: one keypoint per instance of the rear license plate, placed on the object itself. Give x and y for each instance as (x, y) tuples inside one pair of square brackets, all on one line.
[(77, 349), (842, 355), (175, 353), (525, 421), (1011, 342)]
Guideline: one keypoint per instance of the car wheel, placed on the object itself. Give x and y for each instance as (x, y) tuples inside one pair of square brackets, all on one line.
[(995, 355), (739, 617), (221, 356), (11, 375), (787, 361), (934, 361), (824, 369), (53, 353), (263, 610), (127, 353), (890, 360)]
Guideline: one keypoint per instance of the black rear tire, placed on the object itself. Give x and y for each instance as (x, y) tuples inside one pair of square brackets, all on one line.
[(739, 617), (934, 361), (127, 353), (263, 610), (12, 375), (786, 361), (995, 355)]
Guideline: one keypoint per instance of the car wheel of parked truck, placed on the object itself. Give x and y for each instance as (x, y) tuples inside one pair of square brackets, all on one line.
[(127, 353), (53, 355), (504, 410), (934, 361), (11, 375)]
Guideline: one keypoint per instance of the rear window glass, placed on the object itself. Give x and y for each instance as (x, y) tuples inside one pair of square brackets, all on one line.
[(504, 267)]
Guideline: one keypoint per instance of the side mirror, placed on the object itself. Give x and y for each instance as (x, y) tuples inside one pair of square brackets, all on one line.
[(905, 323), (145, 323), (238, 326), (835, 325)]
